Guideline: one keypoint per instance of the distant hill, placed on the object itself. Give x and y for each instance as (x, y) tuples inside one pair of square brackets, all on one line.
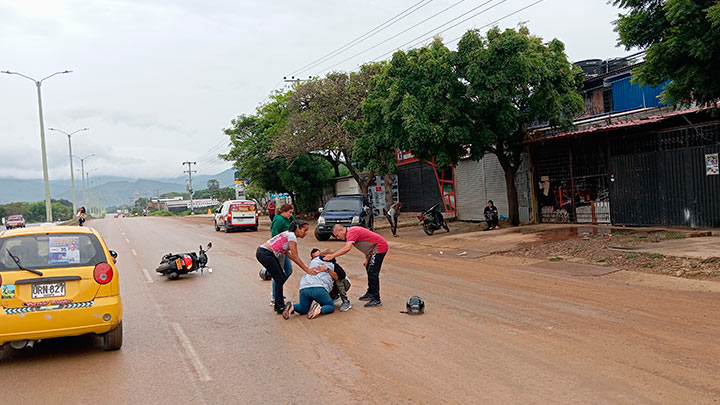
[(113, 190)]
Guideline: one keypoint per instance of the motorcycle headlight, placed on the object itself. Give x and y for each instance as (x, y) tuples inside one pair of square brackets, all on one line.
[(321, 221), (356, 219)]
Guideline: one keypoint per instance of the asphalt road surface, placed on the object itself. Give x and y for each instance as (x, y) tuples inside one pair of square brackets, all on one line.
[(495, 331)]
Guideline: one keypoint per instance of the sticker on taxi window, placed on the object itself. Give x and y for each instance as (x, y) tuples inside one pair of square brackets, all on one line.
[(7, 291), (64, 250)]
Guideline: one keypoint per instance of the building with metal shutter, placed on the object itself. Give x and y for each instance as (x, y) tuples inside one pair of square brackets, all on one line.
[(478, 181)]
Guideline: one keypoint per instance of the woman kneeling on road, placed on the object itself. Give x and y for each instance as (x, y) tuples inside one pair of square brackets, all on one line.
[(284, 243)]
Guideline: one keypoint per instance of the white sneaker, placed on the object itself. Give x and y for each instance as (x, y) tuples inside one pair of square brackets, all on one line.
[(315, 310)]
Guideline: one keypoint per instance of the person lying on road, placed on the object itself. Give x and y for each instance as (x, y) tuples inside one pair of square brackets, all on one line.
[(315, 289)]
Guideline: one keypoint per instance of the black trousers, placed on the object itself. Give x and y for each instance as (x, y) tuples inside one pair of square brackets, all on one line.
[(373, 271), (492, 222), (393, 223), (272, 265)]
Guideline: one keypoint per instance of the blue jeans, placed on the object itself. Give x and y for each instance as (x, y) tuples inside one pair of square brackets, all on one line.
[(288, 271), (318, 294)]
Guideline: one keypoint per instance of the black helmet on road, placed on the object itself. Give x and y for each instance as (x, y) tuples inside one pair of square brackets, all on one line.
[(415, 305), (264, 274)]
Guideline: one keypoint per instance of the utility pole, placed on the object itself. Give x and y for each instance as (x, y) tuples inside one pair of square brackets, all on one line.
[(72, 172), (190, 171)]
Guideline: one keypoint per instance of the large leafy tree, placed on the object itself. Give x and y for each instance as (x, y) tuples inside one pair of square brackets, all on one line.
[(681, 38), (325, 116), (514, 80), (252, 137)]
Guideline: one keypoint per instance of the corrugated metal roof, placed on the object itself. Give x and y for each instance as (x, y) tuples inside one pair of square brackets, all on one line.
[(614, 126)]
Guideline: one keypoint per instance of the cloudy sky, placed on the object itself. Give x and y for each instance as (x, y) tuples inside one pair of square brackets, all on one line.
[(157, 81)]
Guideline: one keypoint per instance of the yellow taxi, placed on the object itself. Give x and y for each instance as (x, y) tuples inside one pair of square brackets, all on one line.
[(58, 281)]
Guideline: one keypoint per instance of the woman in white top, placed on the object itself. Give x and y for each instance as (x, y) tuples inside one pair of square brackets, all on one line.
[(284, 243)]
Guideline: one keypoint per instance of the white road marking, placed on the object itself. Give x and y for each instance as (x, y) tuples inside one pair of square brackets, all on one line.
[(134, 252), (202, 372), (127, 240), (147, 276)]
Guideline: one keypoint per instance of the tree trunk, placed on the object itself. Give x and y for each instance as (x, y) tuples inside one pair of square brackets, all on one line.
[(335, 164), (388, 191), (510, 171)]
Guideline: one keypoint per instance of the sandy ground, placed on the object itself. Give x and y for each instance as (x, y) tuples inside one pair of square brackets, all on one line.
[(498, 329)]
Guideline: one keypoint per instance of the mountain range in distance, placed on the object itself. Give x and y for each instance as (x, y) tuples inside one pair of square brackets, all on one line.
[(113, 191)]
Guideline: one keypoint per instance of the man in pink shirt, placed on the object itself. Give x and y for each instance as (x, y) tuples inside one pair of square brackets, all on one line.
[(374, 247)]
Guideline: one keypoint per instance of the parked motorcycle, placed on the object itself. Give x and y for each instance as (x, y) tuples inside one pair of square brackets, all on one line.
[(173, 265), (432, 220)]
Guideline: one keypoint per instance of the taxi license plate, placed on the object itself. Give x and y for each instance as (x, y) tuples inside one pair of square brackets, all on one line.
[(48, 290)]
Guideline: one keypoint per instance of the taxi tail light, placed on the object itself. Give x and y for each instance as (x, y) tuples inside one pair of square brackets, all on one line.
[(103, 273), (229, 217)]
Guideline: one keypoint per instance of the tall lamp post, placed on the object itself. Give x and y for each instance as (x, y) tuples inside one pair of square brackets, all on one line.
[(82, 174), (72, 172), (46, 180), (91, 194)]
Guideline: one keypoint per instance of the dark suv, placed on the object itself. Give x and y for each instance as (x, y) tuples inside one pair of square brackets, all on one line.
[(348, 210)]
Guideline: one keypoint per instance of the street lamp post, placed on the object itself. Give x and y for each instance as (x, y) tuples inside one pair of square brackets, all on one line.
[(46, 180), (82, 174), (91, 194), (72, 172)]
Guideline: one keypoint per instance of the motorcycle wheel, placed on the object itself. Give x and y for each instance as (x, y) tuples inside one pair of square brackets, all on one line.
[(173, 275), (163, 268), (429, 230)]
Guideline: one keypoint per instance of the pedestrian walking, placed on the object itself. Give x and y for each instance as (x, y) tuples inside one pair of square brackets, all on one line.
[(269, 253), (271, 210), (374, 247), (392, 216)]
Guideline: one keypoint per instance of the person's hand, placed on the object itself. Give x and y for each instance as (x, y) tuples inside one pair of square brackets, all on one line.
[(366, 262), (329, 257), (311, 272)]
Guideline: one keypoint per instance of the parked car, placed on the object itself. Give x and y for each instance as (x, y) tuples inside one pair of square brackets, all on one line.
[(15, 221), (237, 214), (58, 281), (347, 210)]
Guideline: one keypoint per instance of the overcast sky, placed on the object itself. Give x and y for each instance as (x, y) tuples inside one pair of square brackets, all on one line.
[(157, 81)]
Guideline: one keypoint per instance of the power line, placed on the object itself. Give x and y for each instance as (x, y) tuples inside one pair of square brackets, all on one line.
[(364, 36), (499, 19), (433, 30)]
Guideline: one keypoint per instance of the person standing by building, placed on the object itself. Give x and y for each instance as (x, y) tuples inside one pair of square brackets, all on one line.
[(271, 210), (374, 247), (392, 216), (281, 223)]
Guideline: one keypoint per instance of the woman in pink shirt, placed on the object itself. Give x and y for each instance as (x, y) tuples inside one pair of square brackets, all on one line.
[(268, 254)]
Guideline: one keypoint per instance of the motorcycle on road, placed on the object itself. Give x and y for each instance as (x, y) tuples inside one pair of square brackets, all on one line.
[(173, 265), (432, 220)]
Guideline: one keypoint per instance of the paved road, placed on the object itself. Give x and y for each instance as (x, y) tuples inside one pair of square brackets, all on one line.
[(501, 331)]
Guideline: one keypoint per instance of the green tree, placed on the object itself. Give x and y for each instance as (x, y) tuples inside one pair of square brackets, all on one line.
[(213, 185), (325, 117), (307, 176), (224, 194), (681, 38), (514, 80)]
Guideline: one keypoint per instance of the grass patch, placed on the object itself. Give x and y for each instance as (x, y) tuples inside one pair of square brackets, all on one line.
[(673, 235), (631, 256), (637, 238), (648, 265), (161, 214), (556, 259), (575, 251), (602, 260), (656, 255)]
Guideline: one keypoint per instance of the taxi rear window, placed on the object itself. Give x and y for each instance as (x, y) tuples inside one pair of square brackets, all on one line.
[(51, 251), (242, 207)]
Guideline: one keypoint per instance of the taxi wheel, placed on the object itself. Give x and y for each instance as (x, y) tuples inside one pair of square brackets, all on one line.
[(217, 228), (113, 340)]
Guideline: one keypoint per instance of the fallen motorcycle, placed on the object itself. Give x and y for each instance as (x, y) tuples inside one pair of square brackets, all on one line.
[(173, 265), (432, 220)]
